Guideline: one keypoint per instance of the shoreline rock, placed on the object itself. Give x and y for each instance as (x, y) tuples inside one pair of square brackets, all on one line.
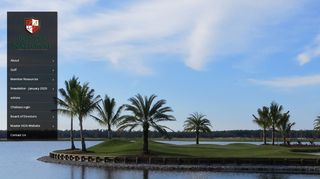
[(243, 168)]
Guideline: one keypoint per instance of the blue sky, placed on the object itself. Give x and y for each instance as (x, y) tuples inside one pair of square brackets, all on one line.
[(222, 58)]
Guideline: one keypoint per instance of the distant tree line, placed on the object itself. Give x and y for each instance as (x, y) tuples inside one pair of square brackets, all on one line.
[(294, 134)]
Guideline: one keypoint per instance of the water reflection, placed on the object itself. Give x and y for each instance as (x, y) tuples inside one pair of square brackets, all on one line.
[(83, 172), (24, 165), (176, 142), (72, 172), (272, 176), (109, 173), (145, 174)]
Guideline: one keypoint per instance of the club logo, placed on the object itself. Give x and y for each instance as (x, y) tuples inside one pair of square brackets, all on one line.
[(32, 25)]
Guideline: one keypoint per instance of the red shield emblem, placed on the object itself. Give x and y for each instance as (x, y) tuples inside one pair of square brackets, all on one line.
[(32, 25)]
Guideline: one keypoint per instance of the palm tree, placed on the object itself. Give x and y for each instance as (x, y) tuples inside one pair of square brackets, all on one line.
[(316, 124), (275, 115), (197, 123), (284, 126), (67, 102), (85, 103), (146, 113), (107, 114), (263, 121)]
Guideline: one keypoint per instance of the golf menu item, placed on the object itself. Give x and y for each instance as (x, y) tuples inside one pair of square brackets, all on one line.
[(32, 75)]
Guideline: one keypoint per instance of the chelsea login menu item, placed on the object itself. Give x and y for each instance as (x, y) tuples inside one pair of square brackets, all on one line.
[(31, 75)]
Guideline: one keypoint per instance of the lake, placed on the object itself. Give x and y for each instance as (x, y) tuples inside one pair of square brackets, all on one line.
[(19, 160), (176, 142)]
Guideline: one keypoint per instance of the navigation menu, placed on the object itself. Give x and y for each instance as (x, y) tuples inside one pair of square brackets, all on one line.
[(32, 75)]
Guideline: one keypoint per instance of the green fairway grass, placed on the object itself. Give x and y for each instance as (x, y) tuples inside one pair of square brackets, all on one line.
[(123, 147)]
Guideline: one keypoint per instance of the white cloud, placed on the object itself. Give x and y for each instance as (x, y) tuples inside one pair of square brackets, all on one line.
[(198, 42), (289, 82), (130, 36), (311, 52)]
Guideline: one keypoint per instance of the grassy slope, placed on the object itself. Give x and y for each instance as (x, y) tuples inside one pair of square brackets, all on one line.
[(124, 147)]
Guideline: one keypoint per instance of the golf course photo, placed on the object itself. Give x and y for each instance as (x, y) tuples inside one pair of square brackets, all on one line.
[(160, 89)]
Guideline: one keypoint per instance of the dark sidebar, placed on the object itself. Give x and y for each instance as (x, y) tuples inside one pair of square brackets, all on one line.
[(31, 75)]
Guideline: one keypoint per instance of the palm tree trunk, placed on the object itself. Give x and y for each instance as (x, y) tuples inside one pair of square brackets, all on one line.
[(109, 132), (264, 136), (71, 134), (197, 137), (145, 138), (273, 133), (83, 144)]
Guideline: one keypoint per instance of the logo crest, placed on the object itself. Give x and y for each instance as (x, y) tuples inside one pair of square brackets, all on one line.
[(32, 25)]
